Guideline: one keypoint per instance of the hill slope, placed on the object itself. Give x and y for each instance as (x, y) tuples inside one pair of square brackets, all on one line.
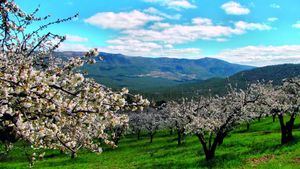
[(141, 73), (274, 73), (257, 148)]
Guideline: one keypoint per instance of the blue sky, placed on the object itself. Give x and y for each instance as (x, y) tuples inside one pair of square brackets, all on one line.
[(253, 32)]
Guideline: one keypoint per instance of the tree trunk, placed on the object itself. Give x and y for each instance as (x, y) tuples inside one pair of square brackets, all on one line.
[(286, 129), (178, 137), (289, 127), (116, 141), (138, 135), (248, 126), (73, 155), (151, 137), (274, 117), (8, 147), (171, 131), (209, 155), (209, 150), (283, 129)]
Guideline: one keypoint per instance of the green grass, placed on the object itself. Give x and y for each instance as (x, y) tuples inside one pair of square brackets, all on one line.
[(257, 148)]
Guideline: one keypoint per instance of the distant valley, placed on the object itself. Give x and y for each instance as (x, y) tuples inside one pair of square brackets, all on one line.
[(140, 73)]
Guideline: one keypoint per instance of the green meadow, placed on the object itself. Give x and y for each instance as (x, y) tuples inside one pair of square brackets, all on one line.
[(258, 147)]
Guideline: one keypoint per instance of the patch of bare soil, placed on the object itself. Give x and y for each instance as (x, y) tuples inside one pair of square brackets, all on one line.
[(296, 160), (259, 160)]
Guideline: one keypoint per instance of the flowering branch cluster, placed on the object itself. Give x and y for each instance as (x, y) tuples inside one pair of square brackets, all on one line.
[(44, 99)]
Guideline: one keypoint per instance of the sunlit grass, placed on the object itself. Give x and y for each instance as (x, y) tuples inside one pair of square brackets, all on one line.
[(257, 148)]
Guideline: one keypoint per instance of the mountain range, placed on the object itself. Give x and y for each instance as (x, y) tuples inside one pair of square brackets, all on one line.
[(169, 78), (219, 86), (140, 73)]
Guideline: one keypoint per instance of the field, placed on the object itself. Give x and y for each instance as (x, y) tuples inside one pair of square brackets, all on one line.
[(257, 148)]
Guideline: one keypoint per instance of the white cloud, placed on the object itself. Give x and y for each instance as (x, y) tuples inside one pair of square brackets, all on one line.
[(179, 34), (234, 8), (132, 45), (122, 20), (144, 33), (262, 55), (155, 11), (275, 6), (160, 39), (221, 40), (151, 49), (76, 38), (251, 26), (73, 47), (174, 4), (160, 26), (180, 4), (146, 26), (296, 25), (198, 29), (202, 21), (272, 19)]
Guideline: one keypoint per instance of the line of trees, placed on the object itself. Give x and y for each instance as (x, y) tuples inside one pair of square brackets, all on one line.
[(211, 119)]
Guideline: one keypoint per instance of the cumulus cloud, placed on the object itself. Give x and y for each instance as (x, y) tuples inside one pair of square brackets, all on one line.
[(262, 55), (275, 6), (234, 8), (198, 29), (73, 47), (251, 26), (122, 20), (151, 49), (202, 21), (296, 25), (160, 39), (272, 19), (174, 4), (180, 4), (178, 34), (148, 33), (160, 26), (76, 38), (155, 11)]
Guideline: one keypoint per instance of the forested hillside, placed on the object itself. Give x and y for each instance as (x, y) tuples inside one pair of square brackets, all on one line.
[(139, 73), (275, 73)]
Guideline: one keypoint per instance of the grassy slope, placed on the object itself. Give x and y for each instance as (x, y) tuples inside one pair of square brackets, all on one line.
[(258, 148)]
